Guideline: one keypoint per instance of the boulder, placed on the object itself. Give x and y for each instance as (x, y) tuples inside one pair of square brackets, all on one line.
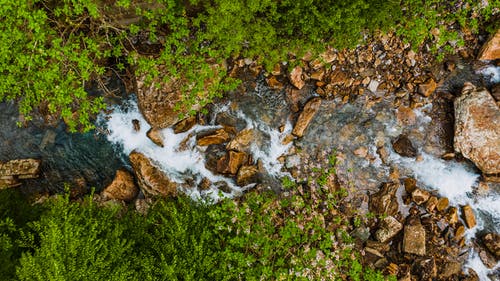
[(305, 117), (492, 243), (420, 196), (246, 175), (469, 217), (150, 178), (414, 239), (215, 137), (155, 136), (242, 141), (491, 50), (477, 128), (231, 162), (404, 147), (14, 170), (296, 77), (184, 125), (122, 187), (442, 204), (389, 227), (384, 201)]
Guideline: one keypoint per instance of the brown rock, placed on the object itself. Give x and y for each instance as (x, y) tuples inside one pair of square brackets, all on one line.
[(136, 124), (231, 162), (487, 259), (305, 117), (450, 268), (155, 136), (246, 175), (420, 196), (469, 217), (442, 204), (185, 125), (318, 74), (361, 152), (274, 83), (296, 78), (414, 240), (13, 170), (406, 116), (384, 154), (427, 269), (122, 187), (142, 205), (492, 243), (205, 184), (150, 178), (389, 227), (404, 147), (384, 201), (491, 50), (452, 215), (217, 137), (427, 88), (431, 204), (410, 185), (242, 141), (477, 128), (338, 77)]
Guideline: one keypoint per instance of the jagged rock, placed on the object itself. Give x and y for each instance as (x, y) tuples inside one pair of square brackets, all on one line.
[(296, 78), (420, 196), (389, 227), (469, 217), (414, 239), (14, 170), (231, 162), (184, 125), (492, 243), (384, 201), (136, 124), (427, 88), (442, 204), (477, 128), (410, 185), (150, 178), (305, 117), (122, 187), (246, 175), (155, 136), (491, 50), (217, 137), (242, 141), (404, 147)]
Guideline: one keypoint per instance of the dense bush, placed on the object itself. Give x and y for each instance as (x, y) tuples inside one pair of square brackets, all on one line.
[(178, 240), (51, 51)]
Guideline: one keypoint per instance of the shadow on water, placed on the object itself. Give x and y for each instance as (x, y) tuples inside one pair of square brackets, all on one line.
[(83, 161)]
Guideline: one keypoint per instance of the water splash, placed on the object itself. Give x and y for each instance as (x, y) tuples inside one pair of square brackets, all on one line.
[(492, 73)]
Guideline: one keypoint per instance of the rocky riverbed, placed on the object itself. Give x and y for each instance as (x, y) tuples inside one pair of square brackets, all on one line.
[(414, 143)]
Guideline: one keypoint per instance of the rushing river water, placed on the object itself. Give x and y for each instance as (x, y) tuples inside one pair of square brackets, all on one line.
[(91, 159)]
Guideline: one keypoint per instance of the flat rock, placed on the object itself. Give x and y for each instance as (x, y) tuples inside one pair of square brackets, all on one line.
[(217, 137), (242, 141), (477, 128), (246, 175), (296, 77), (231, 162), (389, 227), (469, 217), (414, 239), (122, 187), (305, 117), (491, 50), (184, 125), (150, 178)]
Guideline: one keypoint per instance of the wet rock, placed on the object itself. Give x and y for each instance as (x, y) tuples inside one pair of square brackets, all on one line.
[(384, 201), (242, 141), (137, 125), (231, 162), (452, 215), (439, 135), (296, 77), (469, 217), (212, 156), (14, 170), (122, 187), (492, 243), (427, 88), (305, 117), (410, 185), (431, 204), (420, 196), (491, 50), (217, 137), (442, 204), (450, 269), (185, 125), (477, 128), (404, 147), (406, 116), (150, 178), (246, 175), (414, 239), (205, 184), (389, 227), (487, 259), (155, 136), (383, 154)]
